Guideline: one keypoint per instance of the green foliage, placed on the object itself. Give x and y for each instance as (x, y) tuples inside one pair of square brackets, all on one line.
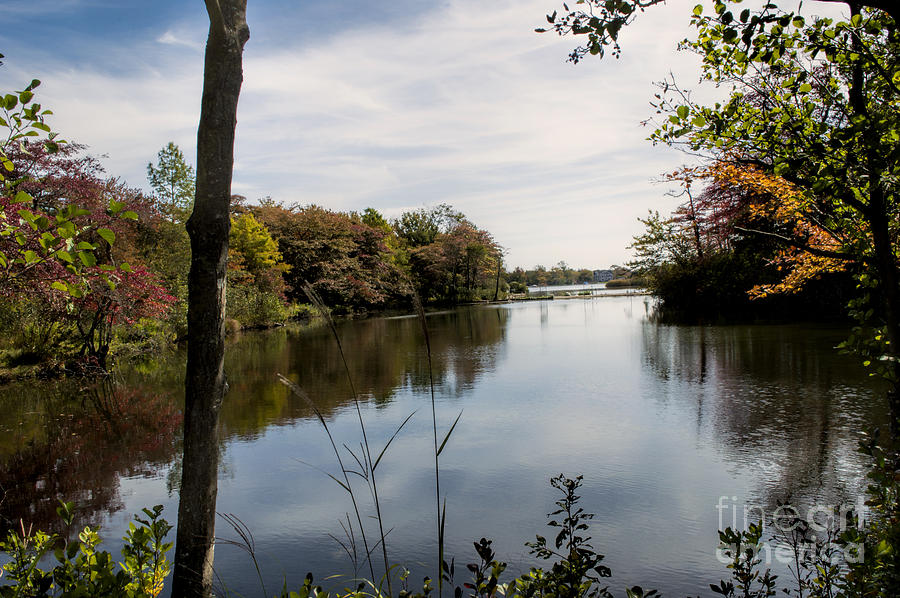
[(84, 571), (252, 306), (22, 118), (460, 263), (577, 569), (743, 548), (875, 568), (348, 263), (251, 242), (813, 104), (173, 181), (29, 239), (421, 227)]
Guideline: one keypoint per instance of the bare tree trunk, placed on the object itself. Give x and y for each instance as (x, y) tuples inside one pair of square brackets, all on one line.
[(208, 228)]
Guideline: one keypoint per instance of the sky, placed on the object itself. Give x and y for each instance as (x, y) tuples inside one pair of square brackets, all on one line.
[(390, 104)]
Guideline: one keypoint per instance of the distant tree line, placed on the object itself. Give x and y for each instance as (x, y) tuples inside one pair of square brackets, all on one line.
[(89, 263)]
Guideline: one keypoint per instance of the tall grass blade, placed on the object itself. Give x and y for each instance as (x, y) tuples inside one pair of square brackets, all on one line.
[(423, 322), (443, 520), (391, 439), (373, 486), (362, 531), (449, 432), (246, 543), (363, 470), (351, 541), (320, 470)]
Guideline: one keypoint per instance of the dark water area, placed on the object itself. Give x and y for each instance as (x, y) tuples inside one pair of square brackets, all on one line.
[(676, 430)]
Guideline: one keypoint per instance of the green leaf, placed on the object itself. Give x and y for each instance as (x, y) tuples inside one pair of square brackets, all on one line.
[(66, 230), (64, 256), (75, 291), (125, 267), (87, 258), (28, 217), (21, 197), (683, 112), (59, 286), (805, 88), (698, 10), (107, 235), (116, 206), (129, 215)]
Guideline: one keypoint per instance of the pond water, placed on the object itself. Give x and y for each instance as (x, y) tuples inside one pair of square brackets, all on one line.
[(675, 429)]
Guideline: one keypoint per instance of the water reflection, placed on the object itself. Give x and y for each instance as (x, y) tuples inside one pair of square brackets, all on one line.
[(778, 400), (661, 420), (383, 355), (59, 444), (73, 441)]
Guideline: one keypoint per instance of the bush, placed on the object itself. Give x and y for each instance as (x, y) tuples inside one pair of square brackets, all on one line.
[(82, 570), (254, 307)]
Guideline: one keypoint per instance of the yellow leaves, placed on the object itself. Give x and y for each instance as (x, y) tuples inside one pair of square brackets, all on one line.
[(801, 267), (772, 196), (789, 208)]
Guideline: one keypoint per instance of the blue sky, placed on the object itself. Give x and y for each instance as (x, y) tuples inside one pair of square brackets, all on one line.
[(391, 104)]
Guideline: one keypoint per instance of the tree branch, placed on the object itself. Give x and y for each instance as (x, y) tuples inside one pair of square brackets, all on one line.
[(835, 255)]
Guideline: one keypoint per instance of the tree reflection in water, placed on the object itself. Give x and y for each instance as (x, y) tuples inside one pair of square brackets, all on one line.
[(773, 401), (57, 444), (74, 441), (384, 355)]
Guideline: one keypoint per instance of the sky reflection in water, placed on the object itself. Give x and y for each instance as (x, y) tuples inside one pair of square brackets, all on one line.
[(662, 421)]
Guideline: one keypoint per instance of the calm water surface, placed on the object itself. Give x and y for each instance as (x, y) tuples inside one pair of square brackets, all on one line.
[(662, 422)]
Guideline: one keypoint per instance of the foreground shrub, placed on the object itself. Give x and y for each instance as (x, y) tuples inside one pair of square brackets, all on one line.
[(82, 570)]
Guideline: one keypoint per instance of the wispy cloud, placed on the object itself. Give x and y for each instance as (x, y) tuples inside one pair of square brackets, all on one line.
[(180, 38), (463, 104)]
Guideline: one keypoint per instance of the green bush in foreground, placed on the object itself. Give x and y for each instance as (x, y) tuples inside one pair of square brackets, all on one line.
[(83, 571)]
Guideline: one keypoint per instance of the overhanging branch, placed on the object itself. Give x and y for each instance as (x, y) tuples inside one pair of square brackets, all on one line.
[(835, 255)]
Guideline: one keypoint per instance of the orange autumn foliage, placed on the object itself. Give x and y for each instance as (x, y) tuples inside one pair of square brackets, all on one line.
[(775, 199)]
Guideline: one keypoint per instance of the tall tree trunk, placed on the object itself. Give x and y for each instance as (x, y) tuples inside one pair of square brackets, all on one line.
[(889, 286), (208, 228)]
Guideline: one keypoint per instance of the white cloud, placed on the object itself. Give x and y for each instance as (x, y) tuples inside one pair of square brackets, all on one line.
[(179, 38), (471, 107), (464, 104)]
